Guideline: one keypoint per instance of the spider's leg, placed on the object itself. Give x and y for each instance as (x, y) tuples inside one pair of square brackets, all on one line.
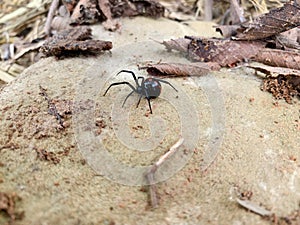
[(127, 98), (141, 78), (148, 99), (166, 82), (137, 105), (118, 83), (149, 103), (132, 73)]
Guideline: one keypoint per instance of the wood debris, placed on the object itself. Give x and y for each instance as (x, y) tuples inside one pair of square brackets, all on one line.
[(150, 174), (261, 40), (74, 41)]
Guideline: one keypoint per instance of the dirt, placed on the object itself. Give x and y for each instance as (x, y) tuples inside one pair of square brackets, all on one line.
[(238, 139)]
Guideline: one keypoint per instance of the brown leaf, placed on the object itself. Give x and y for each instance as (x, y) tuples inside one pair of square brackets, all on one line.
[(179, 69), (275, 71), (281, 58), (274, 22), (223, 52), (105, 8), (180, 44), (109, 24)]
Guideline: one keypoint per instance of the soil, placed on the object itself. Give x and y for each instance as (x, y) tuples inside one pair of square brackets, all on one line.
[(244, 140)]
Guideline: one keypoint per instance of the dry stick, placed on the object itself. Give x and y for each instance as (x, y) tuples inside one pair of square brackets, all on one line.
[(208, 10), (152, 170), (237, 13), (53, 7)]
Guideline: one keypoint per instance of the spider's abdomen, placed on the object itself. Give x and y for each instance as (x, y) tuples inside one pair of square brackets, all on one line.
[(152, 88)]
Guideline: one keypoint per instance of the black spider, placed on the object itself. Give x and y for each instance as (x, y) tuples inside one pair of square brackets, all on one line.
[(150, 87)]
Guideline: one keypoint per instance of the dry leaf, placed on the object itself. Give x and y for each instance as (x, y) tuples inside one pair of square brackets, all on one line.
[(275, 71), (109, 24), (281, 58), (180, 44), (179, 69), (274, 22), (223, 52)]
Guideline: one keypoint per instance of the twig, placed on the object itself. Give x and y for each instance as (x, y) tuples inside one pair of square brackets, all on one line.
[(153, 169), (53, 7), (236, 12), (51, 106), (254, 207), (208, 10)]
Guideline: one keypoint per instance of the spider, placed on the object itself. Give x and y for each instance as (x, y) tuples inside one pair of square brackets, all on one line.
[(149, 88)]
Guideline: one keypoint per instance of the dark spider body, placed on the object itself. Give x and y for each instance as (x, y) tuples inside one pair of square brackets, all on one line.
[(149, 88)]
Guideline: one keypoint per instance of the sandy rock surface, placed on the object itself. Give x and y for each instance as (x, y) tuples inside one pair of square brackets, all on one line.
[(238, 139)]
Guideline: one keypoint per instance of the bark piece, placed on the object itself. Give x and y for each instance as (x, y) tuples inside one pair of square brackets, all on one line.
[(73, 42)]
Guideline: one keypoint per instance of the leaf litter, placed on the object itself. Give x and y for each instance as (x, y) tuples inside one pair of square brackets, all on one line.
[(26, 27), (261, 40)]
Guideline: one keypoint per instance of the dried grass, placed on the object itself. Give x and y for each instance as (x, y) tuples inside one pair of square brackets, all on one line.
[(21, 21)]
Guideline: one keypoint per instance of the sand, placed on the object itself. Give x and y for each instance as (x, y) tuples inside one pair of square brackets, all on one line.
[(238, 140)]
